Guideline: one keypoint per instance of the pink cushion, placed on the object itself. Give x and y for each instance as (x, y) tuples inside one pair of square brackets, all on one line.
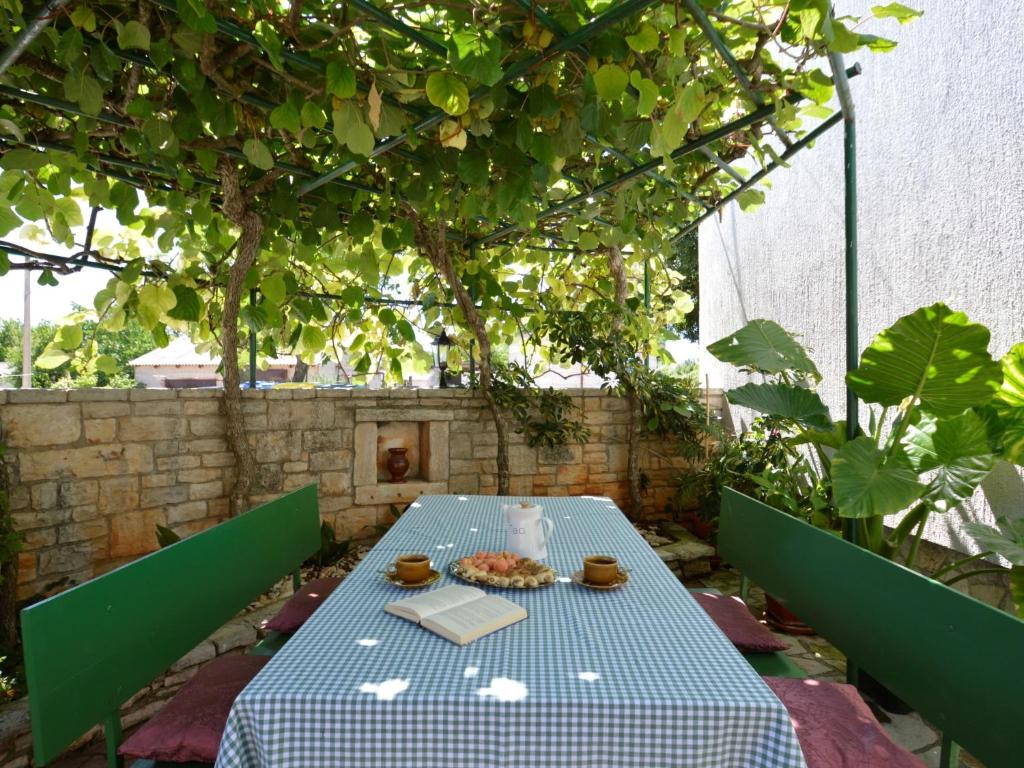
[(736, 623), (301, 605), (189, 727), (835, 727)]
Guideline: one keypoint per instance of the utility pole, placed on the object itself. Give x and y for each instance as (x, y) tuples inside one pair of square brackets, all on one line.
[(26, 335)]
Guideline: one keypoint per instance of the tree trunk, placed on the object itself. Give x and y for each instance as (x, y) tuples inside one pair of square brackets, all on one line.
[(251, 227), (433, 244), (301, 370), (8, 568), (617, 267)]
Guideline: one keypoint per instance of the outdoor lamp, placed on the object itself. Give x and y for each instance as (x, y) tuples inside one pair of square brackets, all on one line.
[(442, 344)]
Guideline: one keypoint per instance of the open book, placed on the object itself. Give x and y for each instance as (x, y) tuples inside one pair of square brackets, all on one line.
[(457, 613)]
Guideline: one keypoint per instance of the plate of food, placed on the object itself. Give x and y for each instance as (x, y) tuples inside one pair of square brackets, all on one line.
[(503, 569)]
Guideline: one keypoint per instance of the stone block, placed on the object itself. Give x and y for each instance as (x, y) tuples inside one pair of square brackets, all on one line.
[(44, 495), (301, 414), (200, 475), (94, 461), (97, 395), (206, 426), (148, 395), (37, 396), (186, 512), (334, 483), (236, 634), (158, 408), (28, 426), (328, 460), (225, 459), (522, 459), (118, 494), (202, 653), (202, 408), (143, 428), (438, 463), (75, 532), (365, 466), (100, 430), (134, 533), (159, 480), (106, 410), (171, 463), (277, 447), (37, 539), (399, 413), (203, 491), (321, 439), (158, 497), (67, 558), (207, 445), (401, 493)]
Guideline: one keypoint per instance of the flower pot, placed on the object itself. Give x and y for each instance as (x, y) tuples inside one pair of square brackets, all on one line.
[(783, 619), (398, 464)]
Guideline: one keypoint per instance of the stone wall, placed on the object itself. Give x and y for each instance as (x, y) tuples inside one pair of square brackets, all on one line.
[(95, 471)]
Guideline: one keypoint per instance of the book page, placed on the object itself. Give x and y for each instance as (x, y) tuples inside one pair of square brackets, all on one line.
[(420, 607), (464, 623)]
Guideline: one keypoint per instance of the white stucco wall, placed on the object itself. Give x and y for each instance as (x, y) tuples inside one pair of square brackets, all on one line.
[(940, 126)]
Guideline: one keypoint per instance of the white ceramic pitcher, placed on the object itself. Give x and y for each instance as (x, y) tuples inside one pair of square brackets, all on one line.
[(527, 531)]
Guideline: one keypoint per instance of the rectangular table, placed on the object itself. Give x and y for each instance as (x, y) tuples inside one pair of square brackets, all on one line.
[(637, 676)]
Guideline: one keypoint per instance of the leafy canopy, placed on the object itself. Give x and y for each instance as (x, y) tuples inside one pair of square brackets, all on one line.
[(506, 127)]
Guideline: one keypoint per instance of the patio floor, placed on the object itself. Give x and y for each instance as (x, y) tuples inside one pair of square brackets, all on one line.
[(811, 652)]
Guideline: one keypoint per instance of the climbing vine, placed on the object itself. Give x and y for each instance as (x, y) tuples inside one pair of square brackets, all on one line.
[(478, 160)]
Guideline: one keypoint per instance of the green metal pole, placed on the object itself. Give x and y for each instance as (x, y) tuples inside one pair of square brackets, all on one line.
[(850, 258), (647, 304), (252, 345)]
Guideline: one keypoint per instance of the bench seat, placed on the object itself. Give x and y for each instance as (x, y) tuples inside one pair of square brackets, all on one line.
[(188, 728), (835, 727)]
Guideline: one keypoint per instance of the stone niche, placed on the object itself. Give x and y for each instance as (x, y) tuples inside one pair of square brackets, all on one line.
[(424, 432)]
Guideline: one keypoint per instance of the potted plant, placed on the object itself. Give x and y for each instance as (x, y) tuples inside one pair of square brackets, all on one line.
[(942, 413)]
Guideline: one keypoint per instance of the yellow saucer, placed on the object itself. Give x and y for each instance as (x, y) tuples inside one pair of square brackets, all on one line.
[(391, 577), (620, 579)]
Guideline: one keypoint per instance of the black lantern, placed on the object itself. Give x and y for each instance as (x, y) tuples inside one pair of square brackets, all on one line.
[(442, 344)]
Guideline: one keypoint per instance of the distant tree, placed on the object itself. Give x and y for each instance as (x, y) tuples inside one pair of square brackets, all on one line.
[(684, 261), (123, 345)]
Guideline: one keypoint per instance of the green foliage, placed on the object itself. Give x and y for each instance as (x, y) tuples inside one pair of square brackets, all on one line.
[(957, 411), (546, 417), (331, 550), (491, 127), (611, 342), (165, 536), (109, 364), (762, 463), (1006, 539)]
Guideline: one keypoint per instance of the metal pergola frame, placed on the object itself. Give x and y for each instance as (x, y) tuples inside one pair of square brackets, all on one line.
[(564, 41)]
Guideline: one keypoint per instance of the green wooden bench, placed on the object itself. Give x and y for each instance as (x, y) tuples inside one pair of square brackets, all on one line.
[(89, 649), (957, 661)]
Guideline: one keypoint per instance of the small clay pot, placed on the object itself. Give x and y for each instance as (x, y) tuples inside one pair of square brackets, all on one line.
[(600, 569), (412, 569), (398, 464)]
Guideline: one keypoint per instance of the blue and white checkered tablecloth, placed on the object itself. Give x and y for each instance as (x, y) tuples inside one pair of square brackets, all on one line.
[(638, 676)]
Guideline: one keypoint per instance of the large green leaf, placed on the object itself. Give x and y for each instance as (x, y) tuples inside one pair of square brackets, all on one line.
[(798, 404), (1009, 404), (867, 484), (1006, 540), (935, 355), (764, 346), (958, 453), (448, 92)]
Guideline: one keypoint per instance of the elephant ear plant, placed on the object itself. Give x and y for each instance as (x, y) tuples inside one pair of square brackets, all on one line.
[(943, 411)]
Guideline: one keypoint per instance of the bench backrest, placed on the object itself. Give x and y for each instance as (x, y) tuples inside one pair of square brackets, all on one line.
[(957, 661), (89, 649)]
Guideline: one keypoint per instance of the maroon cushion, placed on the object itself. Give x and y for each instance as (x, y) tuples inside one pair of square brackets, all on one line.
[(736, 623), (301, 605), (189, 727), (835, 727)]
